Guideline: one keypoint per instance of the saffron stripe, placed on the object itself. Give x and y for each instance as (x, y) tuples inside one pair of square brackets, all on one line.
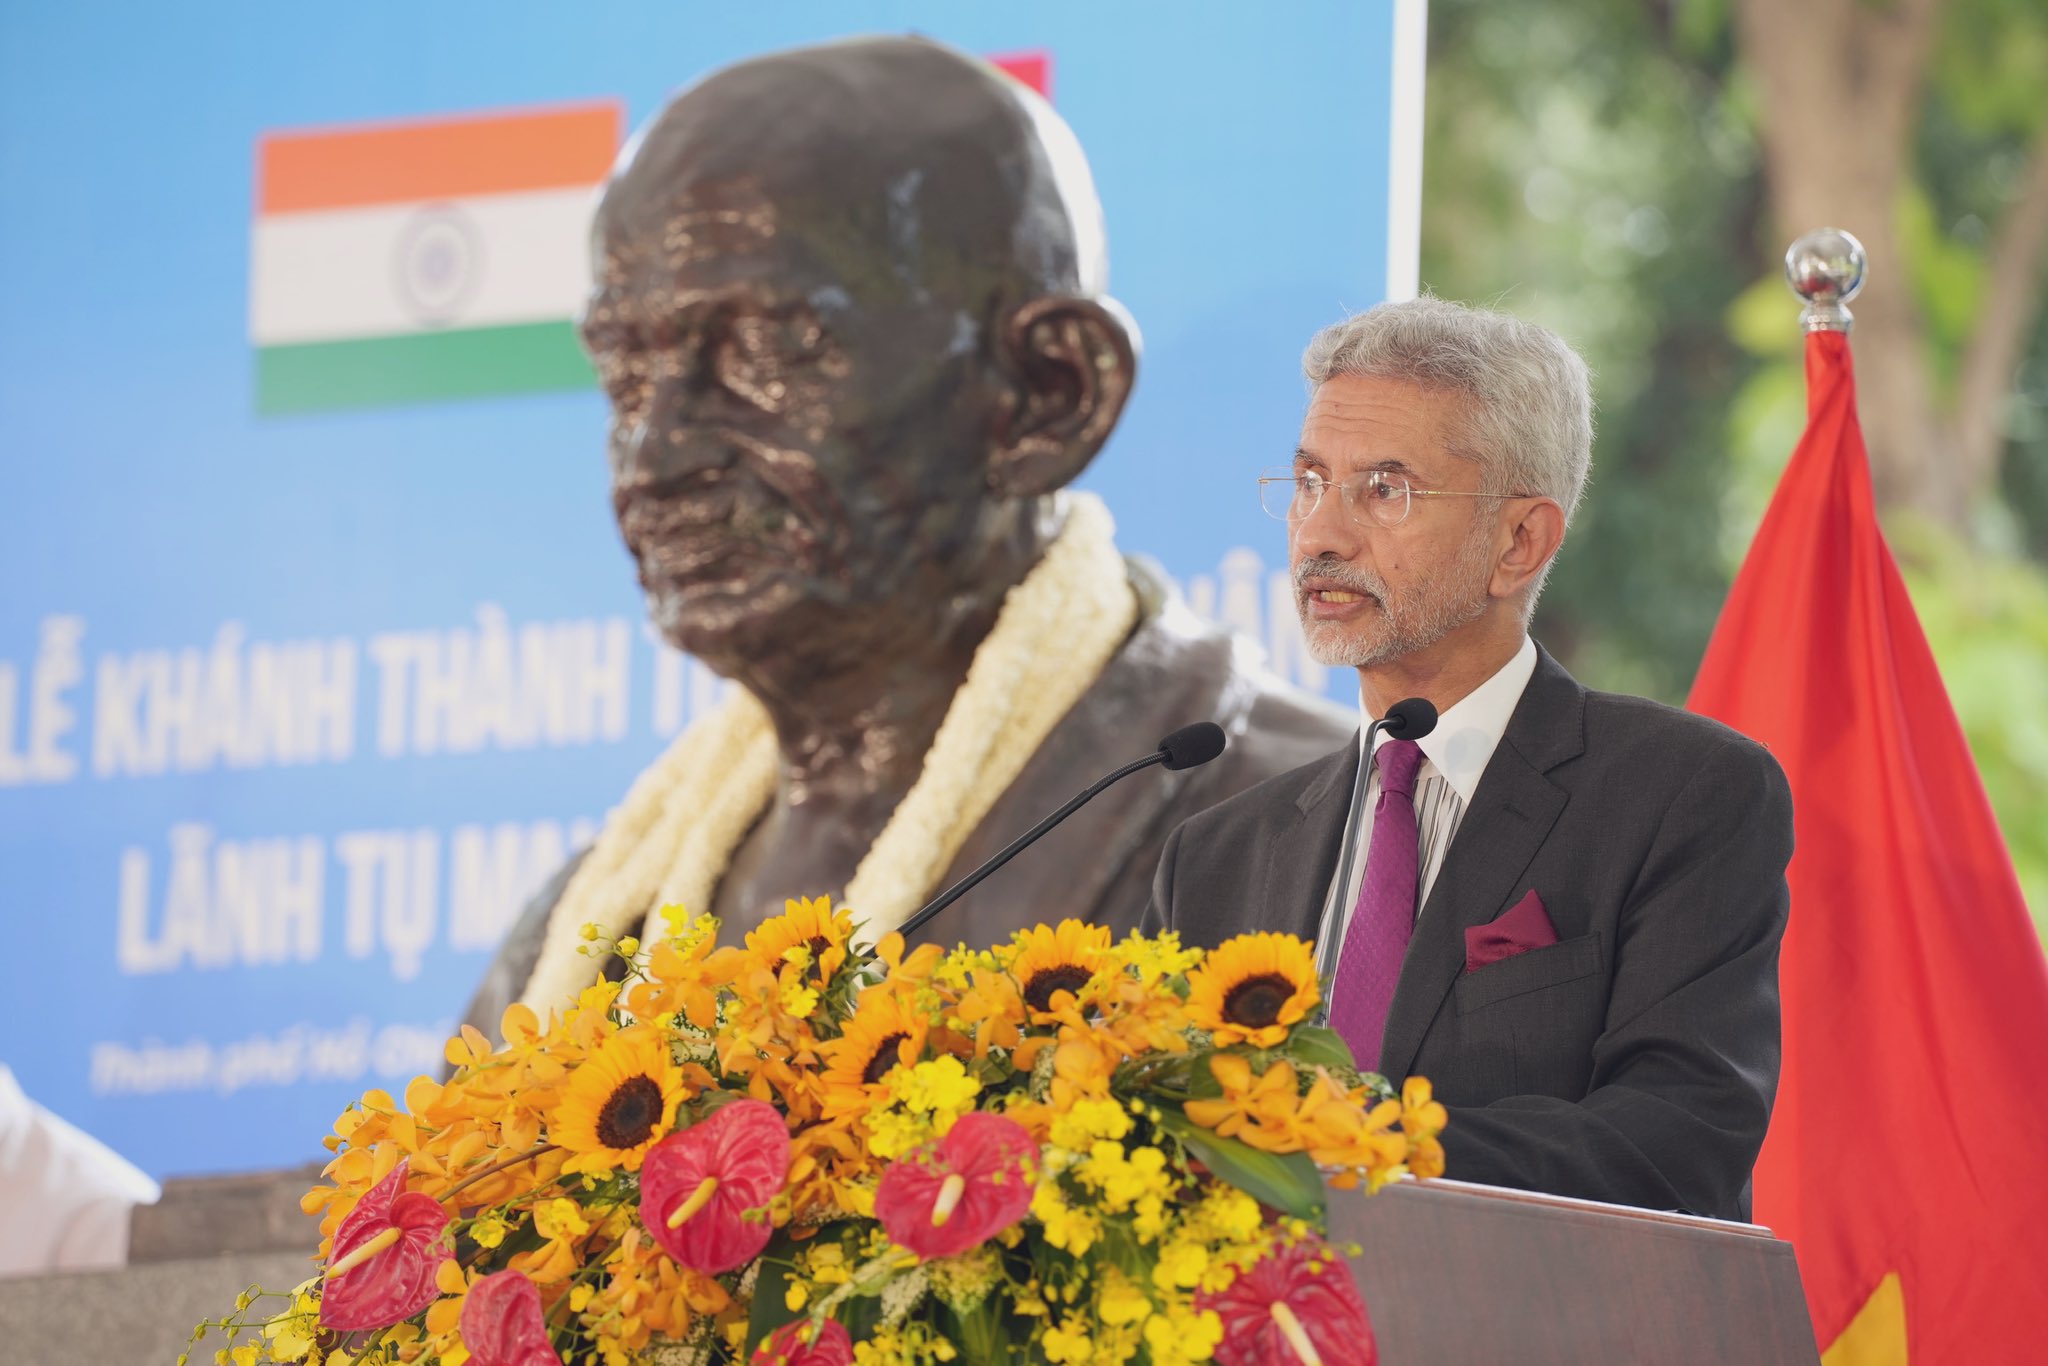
[(450, 158)]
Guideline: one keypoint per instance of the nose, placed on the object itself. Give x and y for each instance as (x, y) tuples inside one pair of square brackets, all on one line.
[(651, 442), (1327, 533)]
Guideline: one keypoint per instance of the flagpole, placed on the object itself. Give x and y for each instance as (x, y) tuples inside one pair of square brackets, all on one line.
[(1825, 268), (1913, 994)]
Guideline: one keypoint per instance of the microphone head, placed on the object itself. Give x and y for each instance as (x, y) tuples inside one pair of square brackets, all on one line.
[(1410, 719), (1197, 744)]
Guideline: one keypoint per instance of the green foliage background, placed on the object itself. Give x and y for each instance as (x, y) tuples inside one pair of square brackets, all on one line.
[(1594, 165)]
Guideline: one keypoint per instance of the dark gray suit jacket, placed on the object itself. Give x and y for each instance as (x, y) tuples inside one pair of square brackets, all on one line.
[(1635, 1060)]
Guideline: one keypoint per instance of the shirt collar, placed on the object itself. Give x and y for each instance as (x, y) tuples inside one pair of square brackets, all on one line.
[(1466, 735)]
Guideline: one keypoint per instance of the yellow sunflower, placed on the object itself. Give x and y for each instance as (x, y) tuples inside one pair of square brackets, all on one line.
[(618, 1102), (883, 1032), (1048, 961), (1253, 989), (811, 923)]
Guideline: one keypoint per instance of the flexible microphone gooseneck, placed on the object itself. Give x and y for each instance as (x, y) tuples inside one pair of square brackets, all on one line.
[(1185, 748), (1409, 719)]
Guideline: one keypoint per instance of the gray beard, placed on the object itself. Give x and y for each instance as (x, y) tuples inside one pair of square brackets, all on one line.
[(1420, 625)]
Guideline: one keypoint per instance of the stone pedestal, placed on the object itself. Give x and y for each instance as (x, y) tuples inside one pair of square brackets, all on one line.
[(189, 1255)]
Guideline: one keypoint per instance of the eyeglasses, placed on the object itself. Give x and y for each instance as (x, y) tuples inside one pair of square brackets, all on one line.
[(1374, 495)]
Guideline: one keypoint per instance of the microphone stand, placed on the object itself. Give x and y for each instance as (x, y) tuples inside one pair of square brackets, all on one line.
[(1016, 846), (1410, 716), (1358, 786)]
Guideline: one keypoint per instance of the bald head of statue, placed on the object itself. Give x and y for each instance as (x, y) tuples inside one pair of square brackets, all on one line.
[(848, 311)]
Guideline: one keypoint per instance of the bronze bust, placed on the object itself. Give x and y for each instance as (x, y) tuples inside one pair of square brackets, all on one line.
[(848, 310)]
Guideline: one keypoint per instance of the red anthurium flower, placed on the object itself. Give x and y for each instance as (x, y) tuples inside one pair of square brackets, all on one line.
[(1295, 1304), (385, 1254), (696, 1185), (502, 1323), (798, 1344), (961, 1191)]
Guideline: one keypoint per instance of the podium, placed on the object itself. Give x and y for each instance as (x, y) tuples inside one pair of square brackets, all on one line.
[(1456, 1273), (1452, 1273)]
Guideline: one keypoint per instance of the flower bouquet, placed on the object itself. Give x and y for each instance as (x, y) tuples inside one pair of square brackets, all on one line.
[(808, 1153)]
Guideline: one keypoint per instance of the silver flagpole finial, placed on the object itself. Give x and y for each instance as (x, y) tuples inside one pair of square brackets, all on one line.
[(1825, 268)]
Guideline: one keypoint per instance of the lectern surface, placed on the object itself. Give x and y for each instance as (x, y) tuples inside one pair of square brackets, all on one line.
[(1457, 1273)]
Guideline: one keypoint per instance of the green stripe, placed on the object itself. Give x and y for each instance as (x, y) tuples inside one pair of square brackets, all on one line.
[(419, 367)]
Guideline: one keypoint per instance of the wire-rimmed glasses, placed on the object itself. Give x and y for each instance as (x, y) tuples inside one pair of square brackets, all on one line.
[(1381, 496)]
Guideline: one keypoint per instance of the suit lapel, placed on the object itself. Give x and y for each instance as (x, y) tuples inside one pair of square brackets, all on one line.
[(1302, 857), (1512, 812)]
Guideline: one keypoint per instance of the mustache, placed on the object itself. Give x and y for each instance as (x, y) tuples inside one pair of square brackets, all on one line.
[(1346, 577), (717, 532), (740, 489)]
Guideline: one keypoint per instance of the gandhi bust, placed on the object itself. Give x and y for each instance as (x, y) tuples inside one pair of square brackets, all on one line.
[(848, 309)]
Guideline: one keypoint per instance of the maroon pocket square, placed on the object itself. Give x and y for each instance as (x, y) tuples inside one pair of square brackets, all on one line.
[(1522, 927)]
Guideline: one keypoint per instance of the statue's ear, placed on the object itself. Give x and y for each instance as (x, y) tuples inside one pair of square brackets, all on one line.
[(1070, 363)]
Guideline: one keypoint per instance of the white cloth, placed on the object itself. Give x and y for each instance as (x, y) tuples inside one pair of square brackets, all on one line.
[(65, 1196), (1454, 755)]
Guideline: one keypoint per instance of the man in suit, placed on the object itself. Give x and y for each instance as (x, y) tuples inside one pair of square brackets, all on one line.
[(1561, 906)]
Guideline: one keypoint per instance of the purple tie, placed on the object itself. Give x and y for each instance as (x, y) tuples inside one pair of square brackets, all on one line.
[(1377, 939)]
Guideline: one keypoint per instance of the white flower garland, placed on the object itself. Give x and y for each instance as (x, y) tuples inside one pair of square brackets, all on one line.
[(671, 840)]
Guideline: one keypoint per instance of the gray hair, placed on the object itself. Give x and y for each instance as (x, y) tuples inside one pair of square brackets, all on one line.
[(1528, 418)]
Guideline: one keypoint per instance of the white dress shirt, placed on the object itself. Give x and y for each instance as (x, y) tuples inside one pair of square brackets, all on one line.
[(1454, 755)]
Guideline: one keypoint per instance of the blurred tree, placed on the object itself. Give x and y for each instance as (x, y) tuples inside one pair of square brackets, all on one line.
[(1853, 94), (1590, 167), (1613, 169)]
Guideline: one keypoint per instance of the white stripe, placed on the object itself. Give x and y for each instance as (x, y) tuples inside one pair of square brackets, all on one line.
[(391, 269), (1439, 813), (1404, 150)]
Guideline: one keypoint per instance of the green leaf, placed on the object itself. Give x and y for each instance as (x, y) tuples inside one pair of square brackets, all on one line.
[(1288, 1182), (1164, 1078), (1202, 1083), (862, 1315), (1314, 1046), (1040, 1085), (769, 1311), (1120, 1248), (977, 1332), (709, 1103)]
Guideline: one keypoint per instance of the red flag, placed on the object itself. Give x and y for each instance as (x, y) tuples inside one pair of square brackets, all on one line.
[(1032, 68), (1906, 1156)]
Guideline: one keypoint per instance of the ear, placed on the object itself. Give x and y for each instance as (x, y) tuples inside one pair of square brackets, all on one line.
[(1533, 529), (1070, 364)]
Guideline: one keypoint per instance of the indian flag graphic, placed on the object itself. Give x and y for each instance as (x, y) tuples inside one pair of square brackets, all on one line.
[(437, 259)]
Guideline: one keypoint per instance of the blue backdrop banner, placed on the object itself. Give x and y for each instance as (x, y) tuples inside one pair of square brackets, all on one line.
[(318, 648)]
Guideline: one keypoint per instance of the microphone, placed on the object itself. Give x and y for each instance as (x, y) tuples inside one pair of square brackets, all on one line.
[(1409, 719), (1188, 747)]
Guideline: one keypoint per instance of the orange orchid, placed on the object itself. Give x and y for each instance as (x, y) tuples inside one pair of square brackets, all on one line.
[(1422, 1119), (681, 981), (990, 1012), (1261, 1110), (916, 969), (1339, 1131), (563, 1224)]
